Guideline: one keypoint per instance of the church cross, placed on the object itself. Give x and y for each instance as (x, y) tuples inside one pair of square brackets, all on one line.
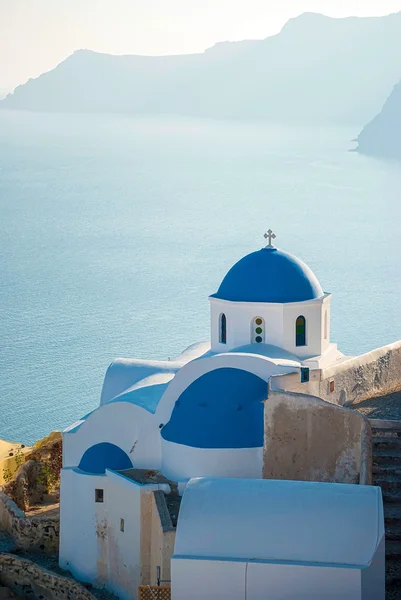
[(271, 236)]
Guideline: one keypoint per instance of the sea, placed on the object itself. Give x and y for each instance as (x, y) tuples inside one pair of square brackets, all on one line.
[(114, 230)]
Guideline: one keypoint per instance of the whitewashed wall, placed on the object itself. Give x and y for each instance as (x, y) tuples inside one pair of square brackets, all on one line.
[(279, 324), (181, 463), (83, 523), (124, 548), (92, 546)]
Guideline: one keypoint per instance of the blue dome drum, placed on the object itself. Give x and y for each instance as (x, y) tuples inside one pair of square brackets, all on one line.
[(269, 275)]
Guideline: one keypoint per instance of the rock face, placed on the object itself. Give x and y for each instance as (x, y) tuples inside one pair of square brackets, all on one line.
[(382, 136), (317, 69), (26, 489)]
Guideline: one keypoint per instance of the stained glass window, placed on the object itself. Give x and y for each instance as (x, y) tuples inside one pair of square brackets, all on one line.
[(300, 331), (257, 330)]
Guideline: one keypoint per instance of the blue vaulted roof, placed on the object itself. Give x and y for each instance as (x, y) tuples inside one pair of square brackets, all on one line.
[(269, 275), (221, 409), (104, 456)]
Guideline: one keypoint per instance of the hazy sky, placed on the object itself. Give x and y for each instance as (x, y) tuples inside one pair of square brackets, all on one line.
[(35, 35)]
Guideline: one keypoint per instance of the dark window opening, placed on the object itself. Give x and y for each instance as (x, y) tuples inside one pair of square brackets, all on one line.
[(99, 496), (223, 329), (304, 374)]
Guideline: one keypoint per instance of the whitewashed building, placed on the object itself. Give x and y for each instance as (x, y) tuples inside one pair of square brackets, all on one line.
[(198, 415), (273, 540)]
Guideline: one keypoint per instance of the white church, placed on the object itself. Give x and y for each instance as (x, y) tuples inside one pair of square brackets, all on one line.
[(160, 424)]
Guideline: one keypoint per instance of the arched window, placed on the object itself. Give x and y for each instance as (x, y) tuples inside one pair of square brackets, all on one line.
[(326, 332), (258, 330), (223, 329), (300, 332)]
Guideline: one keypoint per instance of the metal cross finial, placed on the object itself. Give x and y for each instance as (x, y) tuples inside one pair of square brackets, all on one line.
[(271, 236)]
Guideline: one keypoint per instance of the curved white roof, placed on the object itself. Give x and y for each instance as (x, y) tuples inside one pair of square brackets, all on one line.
[(125, 374), (286, 521)]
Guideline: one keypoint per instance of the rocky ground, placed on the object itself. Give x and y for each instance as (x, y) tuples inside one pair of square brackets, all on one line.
[(49, 507)]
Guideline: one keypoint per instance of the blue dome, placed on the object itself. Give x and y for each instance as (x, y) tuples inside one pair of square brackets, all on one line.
[(269, 275)]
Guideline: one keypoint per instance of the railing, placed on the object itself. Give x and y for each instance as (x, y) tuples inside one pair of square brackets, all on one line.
[(154, 592)]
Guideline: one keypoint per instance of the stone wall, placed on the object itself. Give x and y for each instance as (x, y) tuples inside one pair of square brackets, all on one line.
[(375, 373), (34, 534), (309, 439), (30, 581)]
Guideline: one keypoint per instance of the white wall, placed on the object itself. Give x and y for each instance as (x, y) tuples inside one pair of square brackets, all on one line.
[(303, 582), (279, 324), (83, 526), (92, 546), (207, 579), (204, 579), (239, 322), (180, 463), (124, 548), (313, 312)]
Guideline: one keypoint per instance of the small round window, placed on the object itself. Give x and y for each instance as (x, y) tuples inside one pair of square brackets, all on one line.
[(258, 330)]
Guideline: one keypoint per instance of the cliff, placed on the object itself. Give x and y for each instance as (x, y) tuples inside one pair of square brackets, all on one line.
[(382, 136), (317, 69)]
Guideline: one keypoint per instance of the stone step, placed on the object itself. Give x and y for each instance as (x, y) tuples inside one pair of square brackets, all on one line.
[(385, 425), (393, 552), (392, 497), (386, 443), (387, 482), (386, 456), (390, 468), (386, 433), (393, 531), (392, 513)]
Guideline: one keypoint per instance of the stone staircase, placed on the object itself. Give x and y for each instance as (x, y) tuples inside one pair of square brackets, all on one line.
[(386, 446)]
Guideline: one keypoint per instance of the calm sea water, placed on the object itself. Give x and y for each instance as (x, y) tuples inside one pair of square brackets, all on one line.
[(113, 232)]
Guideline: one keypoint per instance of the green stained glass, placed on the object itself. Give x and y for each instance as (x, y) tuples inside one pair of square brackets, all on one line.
[(258, 330)]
